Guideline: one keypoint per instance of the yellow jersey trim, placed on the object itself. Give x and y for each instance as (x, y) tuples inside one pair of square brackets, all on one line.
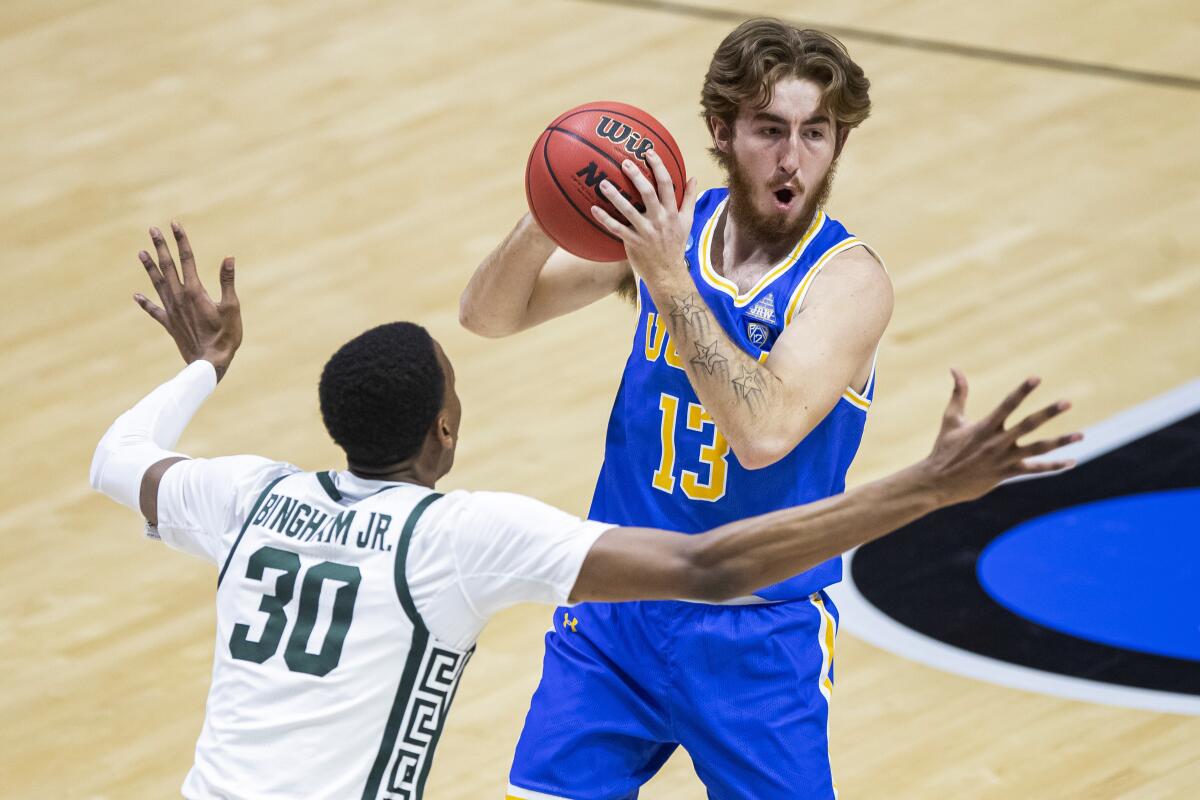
[(859, 399), (825, 639), (517, 793), (802, 288), (723, 284), (855, 399)]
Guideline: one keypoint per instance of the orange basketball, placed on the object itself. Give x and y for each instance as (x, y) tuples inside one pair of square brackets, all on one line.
[(575, 153)]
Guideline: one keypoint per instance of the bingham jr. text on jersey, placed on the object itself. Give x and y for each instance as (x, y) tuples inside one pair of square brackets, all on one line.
[(303, 522)]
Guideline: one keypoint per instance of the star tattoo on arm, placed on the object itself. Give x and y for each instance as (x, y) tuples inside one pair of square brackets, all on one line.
[(692, 311), (708, 359), (749, 387)]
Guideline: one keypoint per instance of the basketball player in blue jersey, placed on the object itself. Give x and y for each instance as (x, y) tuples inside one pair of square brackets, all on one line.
[(747, 389)]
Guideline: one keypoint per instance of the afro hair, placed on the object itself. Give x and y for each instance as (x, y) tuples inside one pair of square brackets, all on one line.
[(380, 393)]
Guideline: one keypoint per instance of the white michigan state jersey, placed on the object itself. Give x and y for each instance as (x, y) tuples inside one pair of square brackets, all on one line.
[(347, 610)]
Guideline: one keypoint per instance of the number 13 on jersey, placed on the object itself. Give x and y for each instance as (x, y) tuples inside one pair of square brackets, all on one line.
[(713, 455)]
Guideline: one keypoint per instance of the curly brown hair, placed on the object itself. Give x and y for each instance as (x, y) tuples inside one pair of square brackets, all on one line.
[(759, 52)]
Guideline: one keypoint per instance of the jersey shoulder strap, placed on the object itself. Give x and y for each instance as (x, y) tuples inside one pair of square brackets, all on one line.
[(708, 202), (402, 592), (253, 510)]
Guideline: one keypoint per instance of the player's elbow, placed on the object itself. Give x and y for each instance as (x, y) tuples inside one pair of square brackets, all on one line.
[(717, 585), (762, 447), (709, 578), (479, 322), (759, 452), (470, 318)]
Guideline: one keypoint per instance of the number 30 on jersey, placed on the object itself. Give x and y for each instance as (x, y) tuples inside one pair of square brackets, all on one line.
[(714, 454)]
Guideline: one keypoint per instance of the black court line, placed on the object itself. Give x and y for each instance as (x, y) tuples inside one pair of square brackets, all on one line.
[(930, 45)]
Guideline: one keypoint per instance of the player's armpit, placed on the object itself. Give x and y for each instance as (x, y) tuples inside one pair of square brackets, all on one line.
[(644, 564)]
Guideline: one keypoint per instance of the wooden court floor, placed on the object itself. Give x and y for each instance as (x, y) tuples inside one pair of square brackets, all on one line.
[(360, 157)]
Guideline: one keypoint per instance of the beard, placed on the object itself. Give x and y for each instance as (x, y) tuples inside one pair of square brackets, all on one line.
[(773, 228)]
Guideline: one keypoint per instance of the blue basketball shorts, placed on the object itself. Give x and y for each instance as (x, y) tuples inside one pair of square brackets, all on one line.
[(744, 689)]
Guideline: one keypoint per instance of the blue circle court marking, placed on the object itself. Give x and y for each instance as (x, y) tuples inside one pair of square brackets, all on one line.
[(1123, 572)]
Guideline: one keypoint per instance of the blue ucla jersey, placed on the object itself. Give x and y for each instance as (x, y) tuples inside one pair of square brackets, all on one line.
[(665, 463)]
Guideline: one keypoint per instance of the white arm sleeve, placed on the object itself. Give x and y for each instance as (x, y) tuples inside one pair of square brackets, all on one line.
[(511, 549), (145, 434)]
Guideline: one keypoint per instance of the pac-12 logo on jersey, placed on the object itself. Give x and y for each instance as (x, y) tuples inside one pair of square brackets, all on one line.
[(758, 333)]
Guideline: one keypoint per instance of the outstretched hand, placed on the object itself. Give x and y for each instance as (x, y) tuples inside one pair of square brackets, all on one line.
[(201, 328), (970, 458)]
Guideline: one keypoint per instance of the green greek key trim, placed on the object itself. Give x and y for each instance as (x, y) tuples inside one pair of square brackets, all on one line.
[(416, 654)]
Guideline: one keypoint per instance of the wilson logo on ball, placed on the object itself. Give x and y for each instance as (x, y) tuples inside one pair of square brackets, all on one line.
[(617, 132), (577, 152)]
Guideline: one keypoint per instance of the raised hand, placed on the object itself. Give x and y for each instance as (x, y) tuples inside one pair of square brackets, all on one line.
[(655, 239), (970, 458), (201, 328)]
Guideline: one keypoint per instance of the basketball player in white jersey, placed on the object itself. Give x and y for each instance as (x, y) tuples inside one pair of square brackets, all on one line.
[(349, 601)]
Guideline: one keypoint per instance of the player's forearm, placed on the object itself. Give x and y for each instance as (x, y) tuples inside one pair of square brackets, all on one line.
[(745, 399), (741, 557), (496, 300), (145, 434)]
